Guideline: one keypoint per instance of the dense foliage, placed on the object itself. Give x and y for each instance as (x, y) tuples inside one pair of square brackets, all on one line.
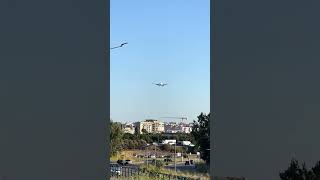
[(297, 172), (201, 135), (125, 141), (115, 138)]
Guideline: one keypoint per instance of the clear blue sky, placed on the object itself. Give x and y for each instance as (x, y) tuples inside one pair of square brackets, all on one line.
[(181, 29)]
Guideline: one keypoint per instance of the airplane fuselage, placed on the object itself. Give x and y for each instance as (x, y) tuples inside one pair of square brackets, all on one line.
[(160, 84)]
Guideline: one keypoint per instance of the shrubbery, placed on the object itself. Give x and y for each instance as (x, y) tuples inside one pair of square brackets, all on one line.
[(201, 135), (201, 167), (297, 172)]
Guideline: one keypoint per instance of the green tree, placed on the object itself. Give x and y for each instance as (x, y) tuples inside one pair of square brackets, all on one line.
[(158, 163), (141, 142), (201, 135), (144, 131), (316, 170), (166, 147), (136, 131), (295, 172), (146, 137), (129, 136), (307, 174), (115, 138)]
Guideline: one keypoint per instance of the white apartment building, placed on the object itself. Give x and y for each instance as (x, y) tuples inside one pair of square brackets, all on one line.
[(151, 126), (128, 128), (180, 128), (185, 129)]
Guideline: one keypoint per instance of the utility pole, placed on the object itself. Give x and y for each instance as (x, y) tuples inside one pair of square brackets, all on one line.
[(155, 153), (158, 143), (175, 153), (147, 160), (182, 154), (147, 156)]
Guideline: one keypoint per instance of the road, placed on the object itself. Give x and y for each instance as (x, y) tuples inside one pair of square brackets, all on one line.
[(181, 167)]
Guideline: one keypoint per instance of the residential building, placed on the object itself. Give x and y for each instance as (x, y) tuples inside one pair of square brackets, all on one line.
[(151, 126), (178, 128), (128, 128), (169, 141), (185, 129)]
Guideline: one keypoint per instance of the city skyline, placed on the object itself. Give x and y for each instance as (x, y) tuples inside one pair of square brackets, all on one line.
[(156, 126), (167, 121), (179, 28)]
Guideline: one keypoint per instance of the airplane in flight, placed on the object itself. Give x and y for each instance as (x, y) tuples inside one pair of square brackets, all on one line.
[(160, 84)]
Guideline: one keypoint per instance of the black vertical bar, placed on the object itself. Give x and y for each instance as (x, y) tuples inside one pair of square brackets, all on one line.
[(213, 56), (107, 79)]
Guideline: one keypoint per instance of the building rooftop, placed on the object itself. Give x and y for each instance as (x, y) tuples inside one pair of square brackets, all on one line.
[(150, 120)]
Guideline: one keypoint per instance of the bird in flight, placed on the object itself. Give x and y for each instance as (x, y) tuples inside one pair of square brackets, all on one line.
[(121, 45), (160, 84)]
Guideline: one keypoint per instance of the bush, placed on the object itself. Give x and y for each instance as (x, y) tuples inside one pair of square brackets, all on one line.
[(202, 167), (178, 149), (166, 147), (152, 169), (157, 163), (297, 172)]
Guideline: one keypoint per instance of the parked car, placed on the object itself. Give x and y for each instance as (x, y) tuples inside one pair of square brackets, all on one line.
[(128, 161), (187, 163), (121, 162), (167, 160), (116, 170)]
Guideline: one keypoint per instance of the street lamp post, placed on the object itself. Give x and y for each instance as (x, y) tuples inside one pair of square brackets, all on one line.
[(175, 154), (155, 153), (147, 156)]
